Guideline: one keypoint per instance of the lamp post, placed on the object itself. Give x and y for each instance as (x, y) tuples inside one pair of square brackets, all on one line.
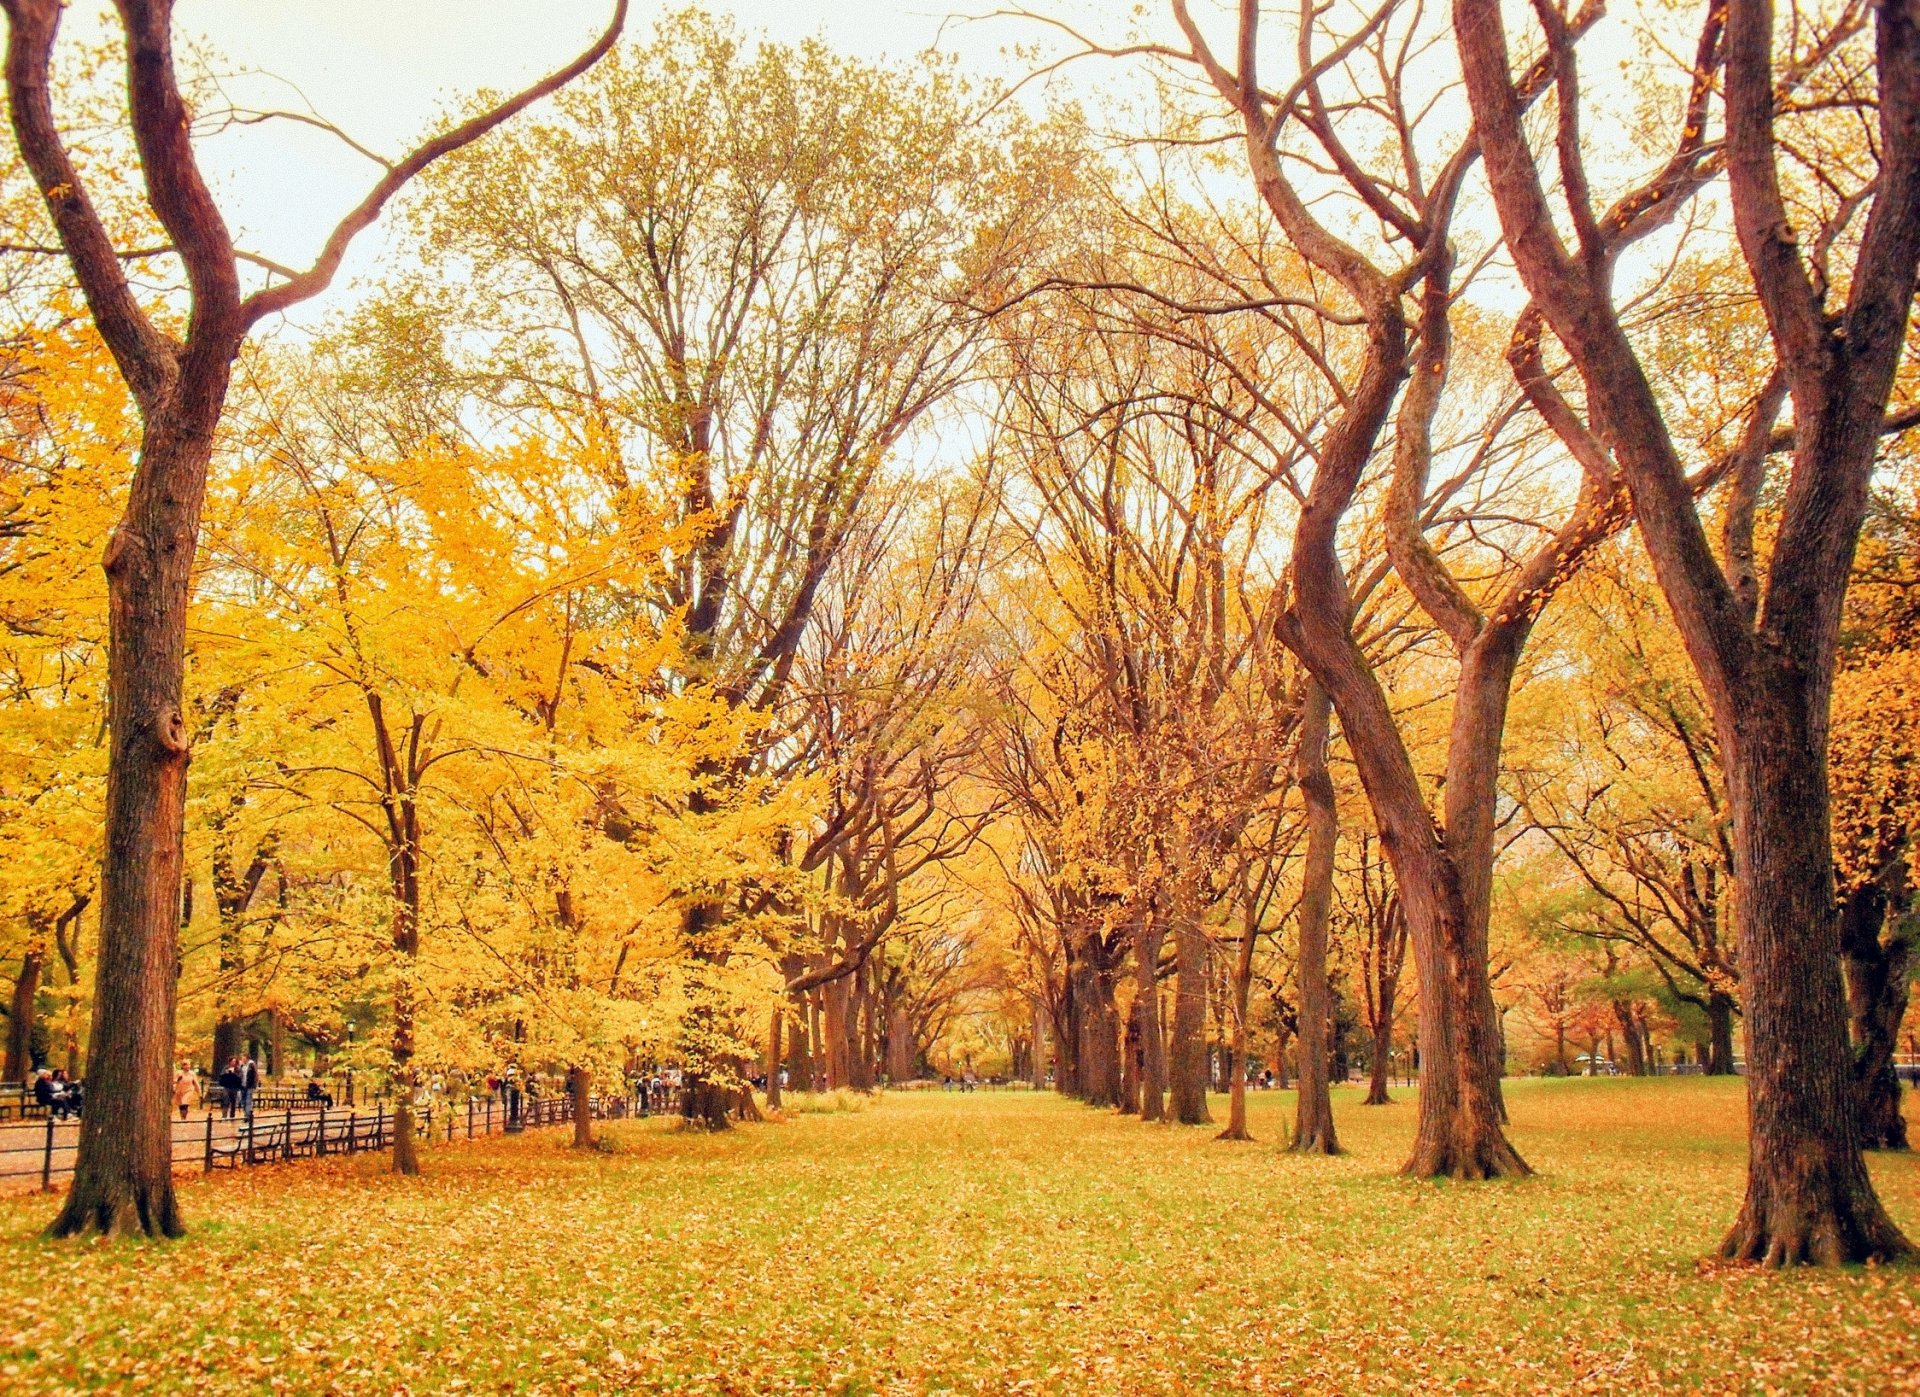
[(349, 1066)]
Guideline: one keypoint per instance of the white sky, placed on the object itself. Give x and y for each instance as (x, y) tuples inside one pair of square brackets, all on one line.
[(382, 69)]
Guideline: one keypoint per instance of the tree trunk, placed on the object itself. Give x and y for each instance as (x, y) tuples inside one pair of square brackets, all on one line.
[(1039, 1064), (775, 1057), (1099, 1054), (1631, 1038), (123, 1174), (1719, 1034), (1879, 979), (1237, 1061), (900, 1062), (229, 1038), (836, 1032), (21, 1019), (1146, 995), (816, 1044), (1187, 1062), (1313, 1131), (580, 1088), (1382, 1060), (1131, 1054), (1809, 1197)]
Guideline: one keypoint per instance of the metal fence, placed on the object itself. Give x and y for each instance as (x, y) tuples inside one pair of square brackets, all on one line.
[(42, 1151)]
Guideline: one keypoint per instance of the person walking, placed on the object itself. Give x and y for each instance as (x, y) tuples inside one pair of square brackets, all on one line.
[(186, 1090), (230, 1083), (249, 1084)]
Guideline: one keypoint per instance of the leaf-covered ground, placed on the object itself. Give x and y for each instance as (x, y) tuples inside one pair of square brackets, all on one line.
[(989, 1242)]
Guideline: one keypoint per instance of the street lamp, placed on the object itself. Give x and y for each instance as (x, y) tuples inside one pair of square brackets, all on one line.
[(349, 1065)]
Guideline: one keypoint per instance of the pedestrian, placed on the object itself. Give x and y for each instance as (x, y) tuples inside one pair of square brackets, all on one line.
[(186, 1090), (249, 1084), (230, 1083)]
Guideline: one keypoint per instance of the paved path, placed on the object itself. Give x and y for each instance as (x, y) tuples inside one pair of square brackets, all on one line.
[(23, 1146)]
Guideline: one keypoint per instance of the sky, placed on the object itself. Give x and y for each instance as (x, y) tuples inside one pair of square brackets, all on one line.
[(382, 69)]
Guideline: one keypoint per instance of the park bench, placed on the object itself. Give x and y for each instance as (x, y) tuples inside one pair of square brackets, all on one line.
[(254, 1142), (17, 1103)]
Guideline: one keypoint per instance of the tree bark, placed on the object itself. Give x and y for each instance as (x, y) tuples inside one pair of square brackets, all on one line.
[(1382, 1060), (837, 1033), (1809, 1197), (580, 1087), (1187, 1061), (1879, 975), (1313, 1131), (775, 1057), (123, 1175), (20, 1020), (1146, 997), (1237, 1059), (1719, 1034)]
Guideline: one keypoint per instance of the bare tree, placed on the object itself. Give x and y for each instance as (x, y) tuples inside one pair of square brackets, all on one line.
[(1764, 650)]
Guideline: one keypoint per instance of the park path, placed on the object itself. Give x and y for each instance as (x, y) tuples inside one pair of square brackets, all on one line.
[(30, 1160)]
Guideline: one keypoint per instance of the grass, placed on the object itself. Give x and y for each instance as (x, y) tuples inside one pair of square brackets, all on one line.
[(984, 1242)]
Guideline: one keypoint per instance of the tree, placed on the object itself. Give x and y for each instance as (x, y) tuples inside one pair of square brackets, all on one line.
[(123, 1178), (1764, 648)]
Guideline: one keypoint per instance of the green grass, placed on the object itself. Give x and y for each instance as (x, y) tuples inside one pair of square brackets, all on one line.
[(984, 1242)]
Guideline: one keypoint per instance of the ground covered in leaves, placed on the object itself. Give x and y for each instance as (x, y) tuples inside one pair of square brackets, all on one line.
[(994, 1242)]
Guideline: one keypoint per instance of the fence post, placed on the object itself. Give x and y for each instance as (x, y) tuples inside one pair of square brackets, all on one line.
[(286, 1144), (380, 1124), (353, 1129), (209, 1142), (469, 1117), (46, 1159), (249, 1128), (320, 1140)]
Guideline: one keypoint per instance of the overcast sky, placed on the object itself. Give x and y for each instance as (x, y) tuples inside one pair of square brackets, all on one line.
[(382, 69)]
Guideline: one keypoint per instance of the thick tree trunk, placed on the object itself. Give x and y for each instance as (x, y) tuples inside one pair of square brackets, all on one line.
[(1098, 1058), (1146, 995), (1809, 1198), (1382, 1061), (20, 1018), (1313, 1131), (580, 1088), (1187, 1061), (899, 1044), (837, 1032), (1879, 974), (123, 1174), (1485, 688), (1039, 1065)]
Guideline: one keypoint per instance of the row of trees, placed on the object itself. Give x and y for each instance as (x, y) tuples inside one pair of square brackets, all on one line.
[(811, 555)]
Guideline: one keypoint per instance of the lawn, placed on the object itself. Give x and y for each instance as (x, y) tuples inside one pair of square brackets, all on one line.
[(988, 1242)]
